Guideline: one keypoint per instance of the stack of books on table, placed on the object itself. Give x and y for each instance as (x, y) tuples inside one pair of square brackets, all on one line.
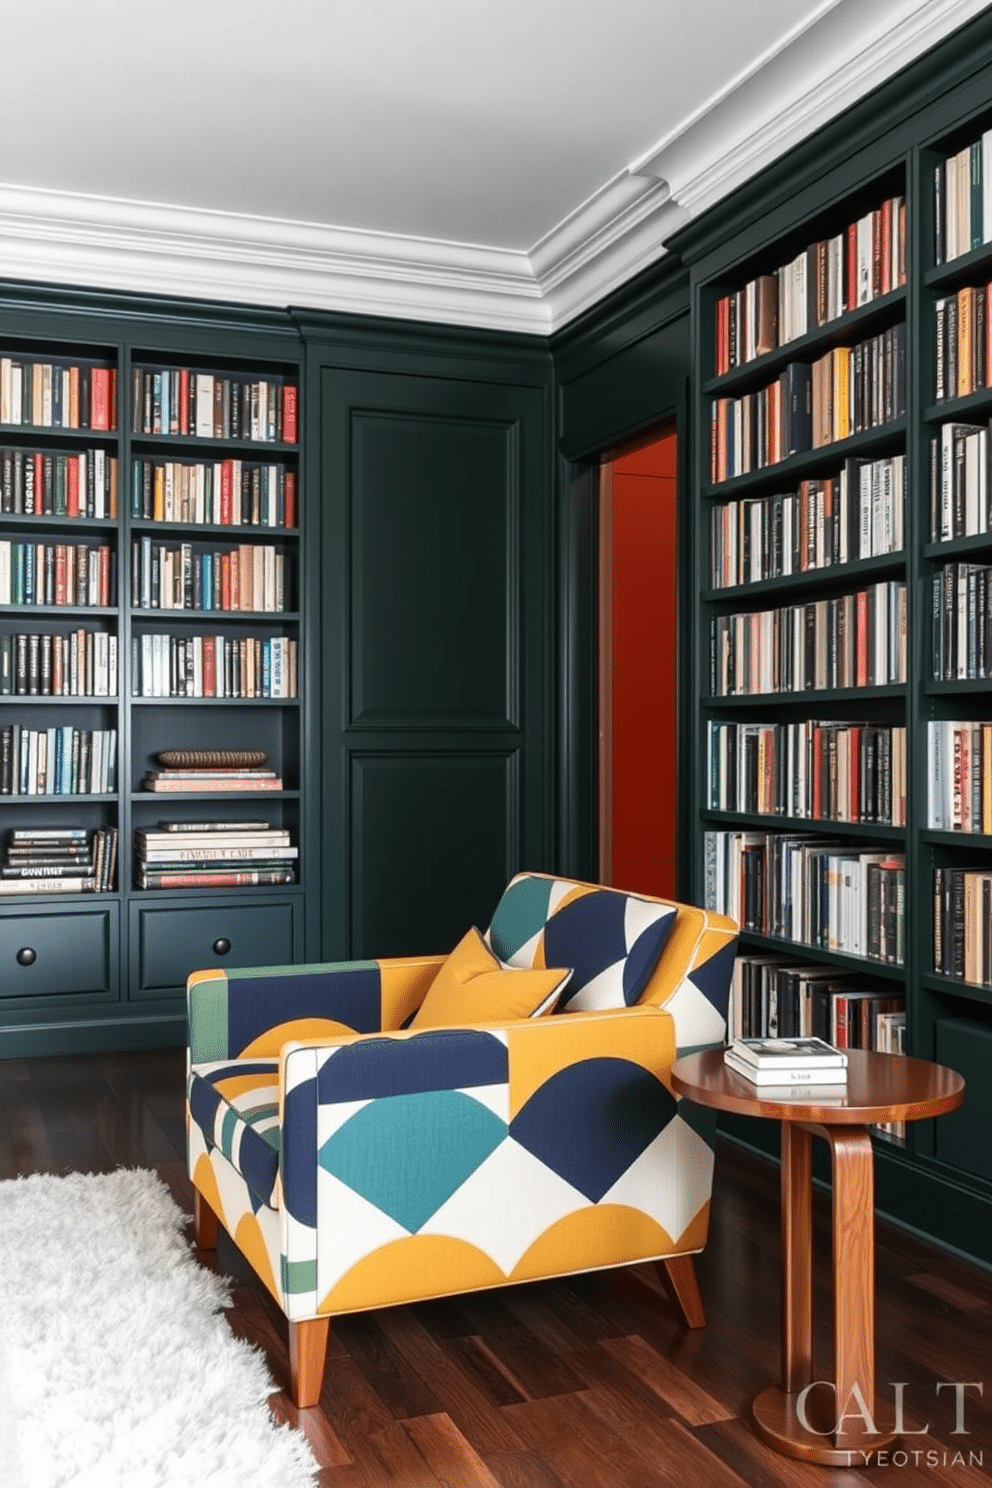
[(59, 860), (787, 1063), (213, 855)]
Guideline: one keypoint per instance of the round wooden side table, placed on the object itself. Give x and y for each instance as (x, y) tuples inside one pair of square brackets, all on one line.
[(837, 1421)]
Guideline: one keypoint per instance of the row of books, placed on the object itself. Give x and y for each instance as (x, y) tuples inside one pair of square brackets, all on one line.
[(58, 395), (208, 666), (859, 513), (847, 391), (62, 761), (180, 780), (962, 924), (775, 997), (56, 574), (48, 483), (809, 890), (181, 401), (963, 343), (82, 663), (848, 772), (174, 576), (821, 283), (959, 481), (962, 187), (232, 493), (59, 860), (219, 855), (851, 640), (962, 622), (959, 776)]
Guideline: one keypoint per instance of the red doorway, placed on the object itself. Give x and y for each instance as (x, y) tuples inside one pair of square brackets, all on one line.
[(639, 669)]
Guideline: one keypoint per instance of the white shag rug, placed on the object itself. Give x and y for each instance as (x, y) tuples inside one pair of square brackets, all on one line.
[(117, 1369)]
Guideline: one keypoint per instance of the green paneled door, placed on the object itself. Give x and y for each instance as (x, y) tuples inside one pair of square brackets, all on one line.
[(437, 676)]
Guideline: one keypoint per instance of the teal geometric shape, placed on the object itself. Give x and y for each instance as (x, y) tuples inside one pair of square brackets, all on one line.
[(407, 1154), (519, 915)]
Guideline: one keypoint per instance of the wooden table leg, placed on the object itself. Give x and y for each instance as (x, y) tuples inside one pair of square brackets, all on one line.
[(796, 1420), (797, 1257), (854, 1291)]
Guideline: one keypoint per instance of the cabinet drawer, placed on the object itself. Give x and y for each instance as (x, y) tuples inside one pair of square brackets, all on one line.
[(174, 942), (45, 955)]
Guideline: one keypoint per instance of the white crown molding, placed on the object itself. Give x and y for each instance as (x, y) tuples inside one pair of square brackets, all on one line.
[(150, 248), (837, 54), (828, 65)]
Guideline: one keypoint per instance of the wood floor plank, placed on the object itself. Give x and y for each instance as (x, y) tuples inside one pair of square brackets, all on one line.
[(521, 1470), (482, 1424), (695, 1405), (447, 1453), (402, 1389), (538, 1369)]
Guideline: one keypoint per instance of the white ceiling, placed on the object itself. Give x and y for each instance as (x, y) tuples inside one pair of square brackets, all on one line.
[(492, 162)]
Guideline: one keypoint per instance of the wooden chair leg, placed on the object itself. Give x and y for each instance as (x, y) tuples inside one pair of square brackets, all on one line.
[(205, 1223), (678, 1277), (307, 1352)]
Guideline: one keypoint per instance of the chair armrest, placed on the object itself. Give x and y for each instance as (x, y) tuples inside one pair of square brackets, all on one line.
[(252, 1011), (568, 1088)]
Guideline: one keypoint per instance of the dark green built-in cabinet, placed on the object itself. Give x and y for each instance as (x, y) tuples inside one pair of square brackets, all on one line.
[(443, 591), (893, 144), (416, 754)]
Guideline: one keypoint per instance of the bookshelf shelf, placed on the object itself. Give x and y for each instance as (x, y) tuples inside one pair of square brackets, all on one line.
[(247, 531), (204, 619), (262, 450), (798, 950), (161, 799), (810, 699), (958, 547), (212, 702), (56, 436), (870, 831), (958, 270), (59, 612), (965, 686), (811, 580), (960, 410), (829, 457), (61, 700), (952, 987), (956, 839)]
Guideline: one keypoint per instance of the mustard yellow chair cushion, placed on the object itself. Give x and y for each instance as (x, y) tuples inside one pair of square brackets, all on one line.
[(473, 986)]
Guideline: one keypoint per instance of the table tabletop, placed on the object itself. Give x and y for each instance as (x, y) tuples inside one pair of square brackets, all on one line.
[(880, 1087)]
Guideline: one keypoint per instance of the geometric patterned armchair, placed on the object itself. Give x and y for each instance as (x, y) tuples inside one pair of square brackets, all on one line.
[(358, 1162)]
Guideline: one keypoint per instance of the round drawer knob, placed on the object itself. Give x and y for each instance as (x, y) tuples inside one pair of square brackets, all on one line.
[(26, 956), (221, 946)]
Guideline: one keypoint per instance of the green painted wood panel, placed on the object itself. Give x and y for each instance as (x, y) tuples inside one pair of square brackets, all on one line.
[(438, 677)]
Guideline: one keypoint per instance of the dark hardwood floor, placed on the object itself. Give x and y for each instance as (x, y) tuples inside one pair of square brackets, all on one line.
[(567, 1384)]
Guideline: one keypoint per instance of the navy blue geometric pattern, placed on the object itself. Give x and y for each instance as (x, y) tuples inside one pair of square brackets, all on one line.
[(591, 1120), (428, 1061)]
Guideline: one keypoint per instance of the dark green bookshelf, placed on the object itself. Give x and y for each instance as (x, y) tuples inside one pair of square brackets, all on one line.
[(937, 1180), (109, 969)]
